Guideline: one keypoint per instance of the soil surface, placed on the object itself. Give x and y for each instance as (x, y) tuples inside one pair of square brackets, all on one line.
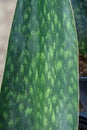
[(82, 66)]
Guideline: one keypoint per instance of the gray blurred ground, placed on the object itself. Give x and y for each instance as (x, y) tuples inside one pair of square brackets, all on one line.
[(6, 15)]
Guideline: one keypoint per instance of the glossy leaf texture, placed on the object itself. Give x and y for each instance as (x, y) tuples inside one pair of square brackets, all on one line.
[(40, 84)]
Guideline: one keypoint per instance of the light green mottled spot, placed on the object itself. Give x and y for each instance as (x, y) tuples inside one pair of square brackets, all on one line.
[(10, 123), (25, 16), (31, 90), (38, 115), (40, 95), (61, 51), (12, 67), (21, 107), (69, 118), (44, 9), (46, 67), (72, 79), (48, 36), (45, 121), (16, 79), (49, 75), (5, 115), (32, 33), (69, 105), (50, 128), (42, 79), (26, 52), (66, 55), (29, 8), (61, 92), (57, 109), (70, 63), (64, 79), (59, 65), (50, 107), (30, 72), (26, 80), (18, 98), (53, 13), (22, 69), (76, 104), (61, 104), (19, 28), (48, 92), (37, 32), (43, 22), (70, 90), (28, 111), (54, 98), (68, 25), (64, 98), (55, 19), (25, 95), (45, 109), (51, 52), (33, 64), (52, 82), (53, 117), (59, 25), (59, 83), (64, 16), (42, 39), (74, 74), (48, 16), (52, 27), (57, 37), (23, 28), (38, 105), (25, 61), (42, 56), (44, 47), (54, 45), (36, 75)]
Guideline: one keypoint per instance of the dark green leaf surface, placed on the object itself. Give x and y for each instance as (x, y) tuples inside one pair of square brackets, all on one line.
[(40, 84)]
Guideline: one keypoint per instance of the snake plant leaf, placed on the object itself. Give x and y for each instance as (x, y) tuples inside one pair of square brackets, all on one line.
[(40, 83), (80, 12)]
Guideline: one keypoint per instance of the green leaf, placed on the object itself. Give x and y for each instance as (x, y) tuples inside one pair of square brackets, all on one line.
[(40, 80)]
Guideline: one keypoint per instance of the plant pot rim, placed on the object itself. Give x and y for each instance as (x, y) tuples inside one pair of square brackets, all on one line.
[(83, 78)]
